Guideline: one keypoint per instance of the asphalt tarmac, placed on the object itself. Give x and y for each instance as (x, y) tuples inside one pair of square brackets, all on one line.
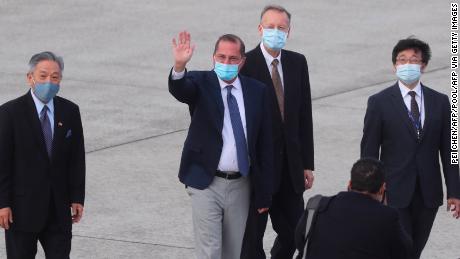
[(117, 58)]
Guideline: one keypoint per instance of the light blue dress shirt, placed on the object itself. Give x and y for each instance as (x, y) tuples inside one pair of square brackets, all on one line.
[(39, 106)]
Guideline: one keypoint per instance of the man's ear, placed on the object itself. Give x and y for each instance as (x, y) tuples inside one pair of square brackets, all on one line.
[(382, 188), (30, 79), (422, 67), (243, 61), (349, 186), (260, 29)]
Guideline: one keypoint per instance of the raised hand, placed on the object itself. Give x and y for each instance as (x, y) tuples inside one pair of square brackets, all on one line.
[(182, 51)]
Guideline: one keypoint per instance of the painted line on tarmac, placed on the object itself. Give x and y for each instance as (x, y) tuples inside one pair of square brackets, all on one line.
[(135, 141), (341, 107), (134, 242)]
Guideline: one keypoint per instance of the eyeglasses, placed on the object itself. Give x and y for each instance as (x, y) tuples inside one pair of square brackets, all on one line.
[(403, 60)]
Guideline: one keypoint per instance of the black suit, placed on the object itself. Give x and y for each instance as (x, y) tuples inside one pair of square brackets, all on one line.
[(203, 146), (293, 145), (40, 190), (413, 174), (355, 226)]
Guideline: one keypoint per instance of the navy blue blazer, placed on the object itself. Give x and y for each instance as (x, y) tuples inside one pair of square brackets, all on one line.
[(390, 135), (203, 145)]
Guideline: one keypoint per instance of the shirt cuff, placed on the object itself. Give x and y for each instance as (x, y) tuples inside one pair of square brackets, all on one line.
[(177, 75)]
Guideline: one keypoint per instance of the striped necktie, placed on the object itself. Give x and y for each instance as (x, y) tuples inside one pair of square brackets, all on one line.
[(276, 78)]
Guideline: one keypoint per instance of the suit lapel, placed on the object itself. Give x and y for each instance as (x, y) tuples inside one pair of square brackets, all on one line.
[(217, 96), (287, 69), (58, 127), (248, 109), (401, 109), (427, 106), (265, 76), (34, 122), (264, 73)]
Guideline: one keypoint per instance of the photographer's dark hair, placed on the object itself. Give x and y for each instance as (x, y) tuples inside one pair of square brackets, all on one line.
[(367, 175), (412, 43)]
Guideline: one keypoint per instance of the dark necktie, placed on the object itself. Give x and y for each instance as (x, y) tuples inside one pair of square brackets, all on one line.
[(276, 78), (46, 128), (238, 133), (414, 112)]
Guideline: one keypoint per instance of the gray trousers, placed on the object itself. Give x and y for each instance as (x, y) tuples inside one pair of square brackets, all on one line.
[(219, 217)]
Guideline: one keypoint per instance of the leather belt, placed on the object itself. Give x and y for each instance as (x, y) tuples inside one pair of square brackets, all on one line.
[(228, 175)]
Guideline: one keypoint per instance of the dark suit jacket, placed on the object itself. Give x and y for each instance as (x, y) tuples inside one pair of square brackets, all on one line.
[(355, 226), (390, 136), (28, 178), (295, 135), (203, 146)]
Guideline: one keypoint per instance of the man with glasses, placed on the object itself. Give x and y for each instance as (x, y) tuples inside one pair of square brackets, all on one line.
[(228, 150), (407, 126), (42, 165), (286, 75)]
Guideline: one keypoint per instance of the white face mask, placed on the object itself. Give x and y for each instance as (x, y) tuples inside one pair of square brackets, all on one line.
[(226, 72), (274, 39), (408, 73)]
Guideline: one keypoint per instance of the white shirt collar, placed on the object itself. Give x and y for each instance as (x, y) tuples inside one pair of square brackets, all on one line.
[(268, 58), (405, 91), (236, 84), (39, 105)]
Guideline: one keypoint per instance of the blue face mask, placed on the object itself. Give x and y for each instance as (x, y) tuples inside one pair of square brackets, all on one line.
[(408, 73), (226, 72), (45, 91), (274, 38)]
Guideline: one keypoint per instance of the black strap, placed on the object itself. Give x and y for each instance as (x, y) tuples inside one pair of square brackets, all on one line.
[(304, 228), (312, 206)]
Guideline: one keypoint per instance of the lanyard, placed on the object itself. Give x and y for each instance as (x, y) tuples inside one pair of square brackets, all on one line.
[(418, 123)]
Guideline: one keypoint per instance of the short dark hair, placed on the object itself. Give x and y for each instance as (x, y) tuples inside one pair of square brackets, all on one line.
[(415, 44), (278, 8), (232, 38), (367, 175)]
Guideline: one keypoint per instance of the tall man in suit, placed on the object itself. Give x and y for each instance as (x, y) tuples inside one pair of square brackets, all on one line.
[(42, 165), (355, 224), (228, 150), (407, 126), (286, 75)]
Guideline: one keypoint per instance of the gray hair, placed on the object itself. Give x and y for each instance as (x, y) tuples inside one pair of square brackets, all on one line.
[(46, 55), (278, 8)]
